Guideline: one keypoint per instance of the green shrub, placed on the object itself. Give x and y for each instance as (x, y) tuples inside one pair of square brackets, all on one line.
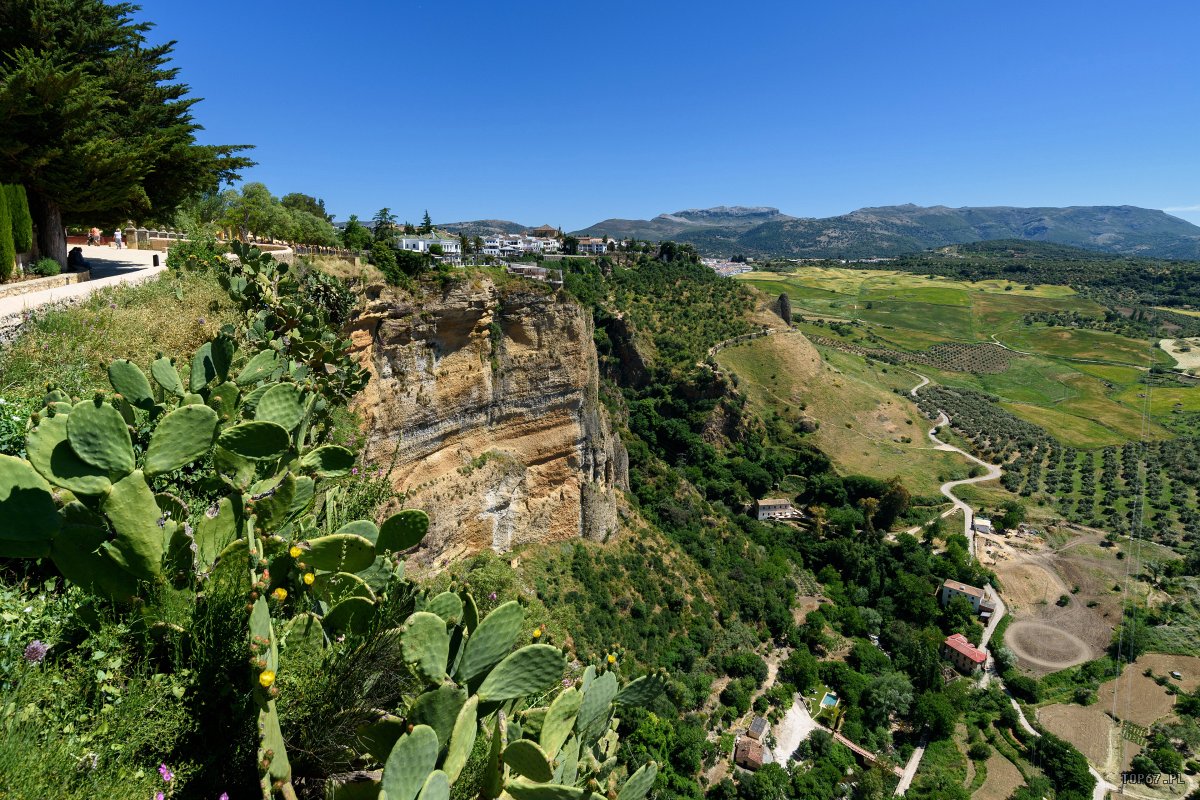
[(22, 220), (45, 267), (8, 252), (198, 253)]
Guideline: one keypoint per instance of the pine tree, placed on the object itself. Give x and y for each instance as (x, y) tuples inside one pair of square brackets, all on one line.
[(426, 223), (92, 121)]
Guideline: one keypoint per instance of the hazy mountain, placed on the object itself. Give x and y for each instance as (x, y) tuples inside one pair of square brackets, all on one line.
[(483, 227), (725, 220), (894, 230)]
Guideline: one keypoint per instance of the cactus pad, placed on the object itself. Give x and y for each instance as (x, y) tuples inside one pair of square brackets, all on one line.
[(437, 787), (327, 461), (99, 436), (256, 441), (50, 454), (525, 790), (180, 438), (215, 531), (351, 614), (491, 641), (133, 514), (28, 518), (259, 368), (165, 375), (596, 707), (560, 721), (642, 691), (379, 737), (462, 738), (533, 668), (525, 758), (332, 587), (79, 556), (204, 370), (639, 783), (361, 527), (410, 763), (340, 552), (439, 710), (281, 404), (448, 606), (402, 531), (223, 398), (426, 644), (128, 380)]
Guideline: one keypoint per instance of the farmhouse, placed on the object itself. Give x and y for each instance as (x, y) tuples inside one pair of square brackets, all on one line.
[(982, 525), (775, 508), (758, 727), (748, 753), (955, 589), (962, 654)]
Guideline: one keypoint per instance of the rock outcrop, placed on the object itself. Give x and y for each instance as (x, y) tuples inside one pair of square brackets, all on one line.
[(485, 403)]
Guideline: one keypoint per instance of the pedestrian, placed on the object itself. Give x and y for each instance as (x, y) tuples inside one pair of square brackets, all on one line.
[(117, 239), (94, 236)]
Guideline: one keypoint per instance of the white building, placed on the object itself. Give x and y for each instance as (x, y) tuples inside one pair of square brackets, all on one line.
[(956, 589), (451, 246), (982, 525), (775, 508), (591, 245)]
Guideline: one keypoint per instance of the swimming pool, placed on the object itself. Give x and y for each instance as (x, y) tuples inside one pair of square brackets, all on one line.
[(829, 700)]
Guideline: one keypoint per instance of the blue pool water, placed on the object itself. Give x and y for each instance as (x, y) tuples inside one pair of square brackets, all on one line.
[(829, 700)]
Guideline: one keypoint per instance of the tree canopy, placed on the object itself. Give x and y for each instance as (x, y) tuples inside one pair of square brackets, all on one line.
[(92, 120)]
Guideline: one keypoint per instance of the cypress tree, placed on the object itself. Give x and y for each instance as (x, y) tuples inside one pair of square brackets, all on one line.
[(8, 253), (22, 221)]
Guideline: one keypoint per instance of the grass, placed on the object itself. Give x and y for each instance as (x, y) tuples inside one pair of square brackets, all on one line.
[(1083, 343), (72, 348), (863, 422)]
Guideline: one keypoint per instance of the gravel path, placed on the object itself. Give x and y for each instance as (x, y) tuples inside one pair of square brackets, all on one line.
[(110, 267)]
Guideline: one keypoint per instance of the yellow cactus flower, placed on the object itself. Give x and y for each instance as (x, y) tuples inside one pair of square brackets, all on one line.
[(266, 678), (309, 578), (294, 551), (280, 594), (612, 658), (537, 633)]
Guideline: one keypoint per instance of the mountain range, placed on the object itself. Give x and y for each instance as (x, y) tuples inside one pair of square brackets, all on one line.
[(897, 230)]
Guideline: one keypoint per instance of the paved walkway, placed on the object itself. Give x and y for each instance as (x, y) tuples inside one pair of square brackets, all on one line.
[(110, 267)]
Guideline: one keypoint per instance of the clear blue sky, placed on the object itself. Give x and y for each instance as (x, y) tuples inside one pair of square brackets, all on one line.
[(572, 111)]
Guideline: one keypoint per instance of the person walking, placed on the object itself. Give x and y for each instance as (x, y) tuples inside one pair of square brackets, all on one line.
[(117, 239)]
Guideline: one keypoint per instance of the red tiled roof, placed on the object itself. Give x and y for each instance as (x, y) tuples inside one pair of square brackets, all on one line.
[(959, 644), (964, 588)]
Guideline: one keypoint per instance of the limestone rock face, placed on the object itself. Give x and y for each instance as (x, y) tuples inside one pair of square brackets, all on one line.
[(487, 400)]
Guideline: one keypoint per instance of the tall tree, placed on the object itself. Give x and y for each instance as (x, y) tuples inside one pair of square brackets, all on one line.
[(355, 236), (426, 223), (385, 224), (92, 120), (296, 201)]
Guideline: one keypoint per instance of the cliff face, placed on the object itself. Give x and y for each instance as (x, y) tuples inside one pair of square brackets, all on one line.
[(488, 401)]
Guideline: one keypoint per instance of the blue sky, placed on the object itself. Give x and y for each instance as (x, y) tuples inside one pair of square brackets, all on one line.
[(570, 112)]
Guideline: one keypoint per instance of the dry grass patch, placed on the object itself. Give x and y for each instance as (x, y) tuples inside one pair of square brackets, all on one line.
[(1138, 699), (1086, 727), (71, 348), (1002, 779), (1162, 664)]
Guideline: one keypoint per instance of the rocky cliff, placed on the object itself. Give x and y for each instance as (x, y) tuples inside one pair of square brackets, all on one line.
[(487, 400)]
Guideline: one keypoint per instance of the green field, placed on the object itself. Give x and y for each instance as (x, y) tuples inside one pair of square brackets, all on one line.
[(1079, 383)]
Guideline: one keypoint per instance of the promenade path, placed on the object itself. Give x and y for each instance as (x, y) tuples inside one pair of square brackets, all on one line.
[(110, 267)]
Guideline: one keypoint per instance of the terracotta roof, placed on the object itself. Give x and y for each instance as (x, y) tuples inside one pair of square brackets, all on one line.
[(748, 753), (964, 588), (959, 644)]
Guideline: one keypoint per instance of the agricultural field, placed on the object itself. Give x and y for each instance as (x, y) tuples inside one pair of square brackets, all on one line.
[(1086, 431)]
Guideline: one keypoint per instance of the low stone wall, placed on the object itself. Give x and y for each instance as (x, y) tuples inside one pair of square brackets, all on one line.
[(38, 284)]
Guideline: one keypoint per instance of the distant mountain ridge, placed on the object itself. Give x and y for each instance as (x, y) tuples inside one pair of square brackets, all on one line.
[(484, 227), (898, 230)]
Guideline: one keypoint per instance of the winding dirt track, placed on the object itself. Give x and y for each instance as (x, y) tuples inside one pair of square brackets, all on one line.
[(993, 471)]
